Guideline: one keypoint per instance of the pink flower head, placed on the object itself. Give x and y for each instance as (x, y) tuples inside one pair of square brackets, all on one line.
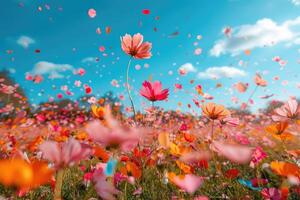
[(114, 135), (235, 153), (104, 188), (189, 183), (135, 47), (154, 91), (290, 110), (257, 156), (65, 154), (271, 194)]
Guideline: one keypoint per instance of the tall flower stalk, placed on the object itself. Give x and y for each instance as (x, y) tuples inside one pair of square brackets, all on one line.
[(135, 48), (128, 87)]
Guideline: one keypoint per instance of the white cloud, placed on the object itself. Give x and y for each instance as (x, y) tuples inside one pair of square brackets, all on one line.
[(25, 41), (296, 2), (89, 60), (51, 69), (188, 67), (265, 32), (221, 72)]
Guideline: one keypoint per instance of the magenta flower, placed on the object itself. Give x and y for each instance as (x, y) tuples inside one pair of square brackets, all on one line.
[(65, 154), (271, 194), (153, 91), (257, 156)]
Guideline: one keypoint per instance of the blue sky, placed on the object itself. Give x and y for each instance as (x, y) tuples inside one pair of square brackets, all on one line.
[(66, 35)]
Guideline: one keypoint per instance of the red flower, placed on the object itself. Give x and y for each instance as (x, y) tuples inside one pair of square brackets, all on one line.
[(154, 91), (135, 46), (232, 173)]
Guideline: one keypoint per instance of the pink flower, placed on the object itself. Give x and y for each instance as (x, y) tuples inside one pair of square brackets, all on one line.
[(190, 183), (65, 154), (135, 47), (257, 156), (230, 121), (114, 135), (271, 194), (235, 153), (154, 91), (290, 110), (7, 89), (104, 188)]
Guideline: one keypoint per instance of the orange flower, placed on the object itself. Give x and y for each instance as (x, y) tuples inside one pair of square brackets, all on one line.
[(214, 111), (21, 174), (98, 111), (184, 167), (131, 169), (135, 46), (81, 136), (101, 153), (278, 130), (285, 168), (32, 146)]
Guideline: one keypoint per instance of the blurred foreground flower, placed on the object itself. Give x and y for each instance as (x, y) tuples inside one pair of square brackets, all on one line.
[(24, 175), (290, 110), (189, 182), (115, 135), (66, 154), (235, 153)]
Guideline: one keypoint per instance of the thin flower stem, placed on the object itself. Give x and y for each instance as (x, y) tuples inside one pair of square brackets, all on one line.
[(212, 130), (128, 89), (251, 95), (58, 184)]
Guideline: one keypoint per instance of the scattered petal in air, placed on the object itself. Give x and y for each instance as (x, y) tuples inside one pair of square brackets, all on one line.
[(92, 13)]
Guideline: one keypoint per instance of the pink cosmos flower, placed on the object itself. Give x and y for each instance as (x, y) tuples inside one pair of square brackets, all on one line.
[(189, 183), (257, 156), (235, 153), (290, 110), (154, 91), (65, 154), (114, 135), (271, 194), (135, 47), (104, 188), (7, 89)]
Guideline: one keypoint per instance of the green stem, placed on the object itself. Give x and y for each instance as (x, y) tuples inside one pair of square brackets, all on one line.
[(128, 89), (58, 184)]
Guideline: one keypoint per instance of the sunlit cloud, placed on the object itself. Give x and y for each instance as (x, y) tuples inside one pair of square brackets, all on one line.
[(221, 72), (265, 32)]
